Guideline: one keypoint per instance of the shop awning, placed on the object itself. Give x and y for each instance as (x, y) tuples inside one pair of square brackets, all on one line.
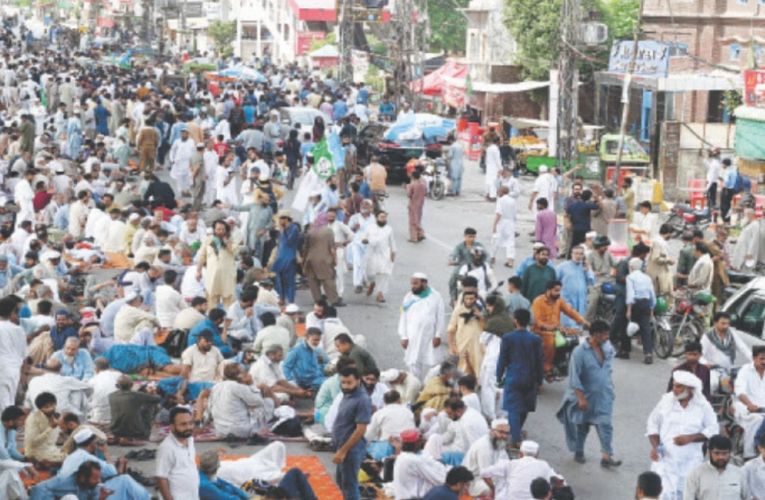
[(522, 123), (497, 88), (675, 82), (433, 83)]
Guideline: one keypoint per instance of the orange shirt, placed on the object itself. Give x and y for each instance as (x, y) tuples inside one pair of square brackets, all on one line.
[(548, 315)]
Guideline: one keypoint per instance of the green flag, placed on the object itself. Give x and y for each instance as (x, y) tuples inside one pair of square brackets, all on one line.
[(43, 96), (323, 165), (469, 84)]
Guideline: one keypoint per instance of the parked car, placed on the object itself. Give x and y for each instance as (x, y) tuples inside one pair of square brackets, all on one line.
[(747, 308), (393, 155), (304, 116)]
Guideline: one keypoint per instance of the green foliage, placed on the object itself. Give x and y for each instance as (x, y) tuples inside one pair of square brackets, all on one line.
[(535, 25), (223, 34), (731, 100), (375, 79), (448, 26), (330, 39)]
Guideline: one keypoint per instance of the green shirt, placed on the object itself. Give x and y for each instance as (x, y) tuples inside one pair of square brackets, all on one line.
[(461, 254), (362, 358), (685, 262), (535, 280)]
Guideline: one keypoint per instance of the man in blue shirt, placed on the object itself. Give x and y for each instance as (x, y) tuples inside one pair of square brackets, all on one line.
[(86, 484), (730, 174), (75, 362), (387, 110), (215, 318), (62, 331), (12, 418), (339, 109), (458, 481), (362, 96), (580, 215), (641, 299), (353, 417), (304, 364)]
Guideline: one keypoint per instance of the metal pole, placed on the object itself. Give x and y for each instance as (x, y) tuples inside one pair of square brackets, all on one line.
[(626, 103)]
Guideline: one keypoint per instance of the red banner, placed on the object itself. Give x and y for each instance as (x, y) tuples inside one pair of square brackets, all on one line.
[(105, 22), (754, 88), (305, 39)]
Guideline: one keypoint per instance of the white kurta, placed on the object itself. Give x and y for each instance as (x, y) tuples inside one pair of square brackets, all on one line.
[(422, 320), (505, 235), (13, 352), (748, 244), (467, 430), (227, 193), (669, 420), (380, 246), (490, 394), (415, 475), (23, 194), (545, 186), (390, 420), (750, 384), (180, 156), (480, 456), (103, 383), (512, 478), (114, 240)]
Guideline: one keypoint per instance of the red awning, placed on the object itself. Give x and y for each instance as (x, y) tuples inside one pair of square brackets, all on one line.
[(434, 84), (314, 10)]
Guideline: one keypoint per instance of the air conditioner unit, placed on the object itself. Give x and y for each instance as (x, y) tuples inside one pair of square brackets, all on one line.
[(594, 33)]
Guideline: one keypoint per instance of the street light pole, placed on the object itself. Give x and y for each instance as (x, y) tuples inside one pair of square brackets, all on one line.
[(626, 101)]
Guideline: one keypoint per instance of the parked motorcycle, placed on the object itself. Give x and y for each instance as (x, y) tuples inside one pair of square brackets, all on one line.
[(685, 323), (686, 218), (606, 304), (435, 175), (722, 403), (566, 339)]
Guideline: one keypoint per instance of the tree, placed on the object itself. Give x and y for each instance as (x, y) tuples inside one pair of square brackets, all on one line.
[(535, 26), (448, 26), (222, 34)]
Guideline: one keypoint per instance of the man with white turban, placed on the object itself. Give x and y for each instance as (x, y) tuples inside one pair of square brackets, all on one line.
[(677, 428), (421, 326), (512, 478)]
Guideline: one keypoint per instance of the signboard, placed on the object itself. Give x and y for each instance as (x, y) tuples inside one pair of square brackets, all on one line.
[(305, 39), (754, 88), (652, 58), (212, 11), (105, 22), (193, 9)]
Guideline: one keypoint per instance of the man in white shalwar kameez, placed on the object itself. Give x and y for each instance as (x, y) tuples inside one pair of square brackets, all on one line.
[(11, 485), (421, 326), (677, 429), (380, 256), (13, 353), (747, 247), (357, 250), (114, 239), (504, 226), (415, 474), (487, 451), (71, 394), (750, 394), (493, 169), (545, 186), (23, 195), (180, 157), (210, 161), (513, 478)]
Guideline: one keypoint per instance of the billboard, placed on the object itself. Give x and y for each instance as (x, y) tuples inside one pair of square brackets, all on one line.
[(305, 39), (652, 58), (754, 88)]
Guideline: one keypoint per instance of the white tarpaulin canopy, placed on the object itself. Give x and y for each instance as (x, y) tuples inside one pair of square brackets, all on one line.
[(521, 123), (496, 88)]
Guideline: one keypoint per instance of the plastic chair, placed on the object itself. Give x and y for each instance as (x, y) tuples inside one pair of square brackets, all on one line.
[(698, 194)]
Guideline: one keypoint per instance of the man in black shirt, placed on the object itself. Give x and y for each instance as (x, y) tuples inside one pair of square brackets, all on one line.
[(160, 191), (132, 412)]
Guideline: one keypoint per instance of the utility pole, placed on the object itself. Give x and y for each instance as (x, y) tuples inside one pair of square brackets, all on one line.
[(626, 101), (345, 10), (568, 112)]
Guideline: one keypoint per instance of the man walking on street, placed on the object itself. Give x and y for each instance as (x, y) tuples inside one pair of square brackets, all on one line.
[(416, 191), (589, 398), (353, 417), (421, 326)]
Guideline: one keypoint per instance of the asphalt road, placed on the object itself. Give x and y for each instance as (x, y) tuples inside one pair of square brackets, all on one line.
[(638, 386)]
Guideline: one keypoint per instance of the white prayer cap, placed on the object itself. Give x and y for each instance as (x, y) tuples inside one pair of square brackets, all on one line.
[(200, 145), (133, 217), (427, 411), (538, 245), (635, 263), (389, 376), (83, 435), (315, 193), (687, 379), (499, 421), (591, 235), (542, 169), (529, 448), (420, 276), (131, 297), (292, 309)]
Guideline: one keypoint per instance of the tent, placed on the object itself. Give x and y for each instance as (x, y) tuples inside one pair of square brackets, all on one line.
[(434, 83), (413, 127), (241, 72)]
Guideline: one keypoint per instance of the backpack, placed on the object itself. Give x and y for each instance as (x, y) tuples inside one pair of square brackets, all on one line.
[(739, 184), (175, 343)]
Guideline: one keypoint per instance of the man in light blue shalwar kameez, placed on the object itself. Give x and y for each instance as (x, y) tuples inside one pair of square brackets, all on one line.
[(74, 135), (575, 276)]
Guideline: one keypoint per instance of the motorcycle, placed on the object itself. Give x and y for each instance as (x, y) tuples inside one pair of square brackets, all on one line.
[(566, 340), (435, 175), (722, 403), (688, 321), (607, 303), (686, 218)]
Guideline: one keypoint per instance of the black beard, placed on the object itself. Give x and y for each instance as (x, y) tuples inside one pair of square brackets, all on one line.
[(381, 224)]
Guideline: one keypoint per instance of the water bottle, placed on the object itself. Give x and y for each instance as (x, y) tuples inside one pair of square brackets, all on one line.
[(317, 417), (660, 450)]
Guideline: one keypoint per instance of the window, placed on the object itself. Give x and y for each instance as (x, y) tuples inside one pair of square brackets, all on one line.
[(735, 52), (752, 319), (742, 2)]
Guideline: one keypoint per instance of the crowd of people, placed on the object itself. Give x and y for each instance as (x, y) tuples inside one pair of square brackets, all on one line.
[(132, 306)]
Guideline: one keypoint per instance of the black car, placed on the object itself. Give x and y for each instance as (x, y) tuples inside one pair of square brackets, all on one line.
[(393, 156)]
